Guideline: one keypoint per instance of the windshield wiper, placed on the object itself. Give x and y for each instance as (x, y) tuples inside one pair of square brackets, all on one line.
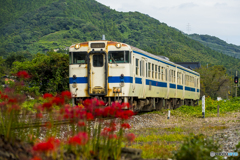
[(114, 60)]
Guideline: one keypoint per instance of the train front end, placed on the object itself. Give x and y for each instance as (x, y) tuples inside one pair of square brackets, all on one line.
[(100, 69)]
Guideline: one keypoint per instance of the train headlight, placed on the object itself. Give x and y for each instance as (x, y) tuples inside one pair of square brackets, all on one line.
[(74, 76), (118, 45), (77, 46), (119, 90)]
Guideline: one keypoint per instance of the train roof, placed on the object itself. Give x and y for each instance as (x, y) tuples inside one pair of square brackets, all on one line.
[(157, 57), (162, 58)]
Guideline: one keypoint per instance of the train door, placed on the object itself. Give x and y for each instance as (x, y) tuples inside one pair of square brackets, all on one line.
[(97, 73)]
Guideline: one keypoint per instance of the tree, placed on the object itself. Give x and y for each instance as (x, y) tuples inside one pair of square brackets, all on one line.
[(214, 81), (48, 72)]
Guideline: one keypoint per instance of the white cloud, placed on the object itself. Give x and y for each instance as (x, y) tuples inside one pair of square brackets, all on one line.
[(218, 18)]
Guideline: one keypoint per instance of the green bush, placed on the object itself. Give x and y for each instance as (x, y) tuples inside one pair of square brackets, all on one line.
[(196, 147)]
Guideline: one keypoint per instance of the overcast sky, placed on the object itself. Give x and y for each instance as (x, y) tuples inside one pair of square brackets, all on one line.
[(220, 18)]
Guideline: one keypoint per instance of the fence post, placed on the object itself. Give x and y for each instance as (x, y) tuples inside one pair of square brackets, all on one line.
[(203, 106), (218, 110)]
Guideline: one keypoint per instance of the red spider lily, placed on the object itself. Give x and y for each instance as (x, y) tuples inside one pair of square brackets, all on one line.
[(47, 106), (130, 137), (39, 115), (112, 136), (125, 114), (98, 112), (109, 112), (80, 139), (125, 126), (125, 105), (66, 94), (81, 124), (58, 101), (4, 97), (91, 104), (50, 145), (23, 74), (12, 100), (36, 158), (89, 116), (47, 95)]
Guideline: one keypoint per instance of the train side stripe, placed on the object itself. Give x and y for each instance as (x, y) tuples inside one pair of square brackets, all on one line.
[(128, 79), (138, 80), (78, 80), (117, 79)]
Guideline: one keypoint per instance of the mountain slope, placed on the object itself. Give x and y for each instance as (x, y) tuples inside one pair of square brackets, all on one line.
[(217, 44), (58, 24)]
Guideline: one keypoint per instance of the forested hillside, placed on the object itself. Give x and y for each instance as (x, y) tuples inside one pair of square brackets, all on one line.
[(217, 45), (37, 26)]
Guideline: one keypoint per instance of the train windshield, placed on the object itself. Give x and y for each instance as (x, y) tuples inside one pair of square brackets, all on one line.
[(119, 57), (79, 57)]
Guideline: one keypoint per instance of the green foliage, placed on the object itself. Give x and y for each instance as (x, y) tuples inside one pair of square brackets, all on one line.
[(214, 81), (48, 72), (57, 24), (225, 106), (2, 67), (217, 45), (196, 147)]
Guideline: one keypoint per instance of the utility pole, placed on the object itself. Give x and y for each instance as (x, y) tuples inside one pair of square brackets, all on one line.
[(188, 28)]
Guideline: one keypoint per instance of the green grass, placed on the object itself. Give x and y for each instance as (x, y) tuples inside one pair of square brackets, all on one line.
[(156, 149), (164, 137)]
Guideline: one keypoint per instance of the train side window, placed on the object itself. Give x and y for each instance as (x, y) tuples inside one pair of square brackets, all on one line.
[(155, 71), (136, 66), (146, 71), (152, 71), (166, 74), (174, 76), (162, 72), (159, 72), (149, 70), (140, 68)]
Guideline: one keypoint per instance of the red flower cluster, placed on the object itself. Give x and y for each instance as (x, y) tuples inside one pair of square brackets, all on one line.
[(47, 95), (50, 145), (23, 74), (125, 126), (80, 139), (66, 94), (130, 137)]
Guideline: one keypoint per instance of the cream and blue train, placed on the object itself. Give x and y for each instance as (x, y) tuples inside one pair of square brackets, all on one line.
[(117, 71)]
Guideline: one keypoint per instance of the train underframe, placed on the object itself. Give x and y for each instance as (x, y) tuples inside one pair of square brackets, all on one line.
[(148, 104)]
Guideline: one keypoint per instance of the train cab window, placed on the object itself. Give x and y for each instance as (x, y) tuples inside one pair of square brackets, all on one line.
[(149, 70), (137, 66), (152, 71), (79, 57), (97, 60), (119, 57), (70, 57)]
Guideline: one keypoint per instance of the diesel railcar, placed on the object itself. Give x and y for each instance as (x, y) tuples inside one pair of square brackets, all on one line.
[(117, 71)]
